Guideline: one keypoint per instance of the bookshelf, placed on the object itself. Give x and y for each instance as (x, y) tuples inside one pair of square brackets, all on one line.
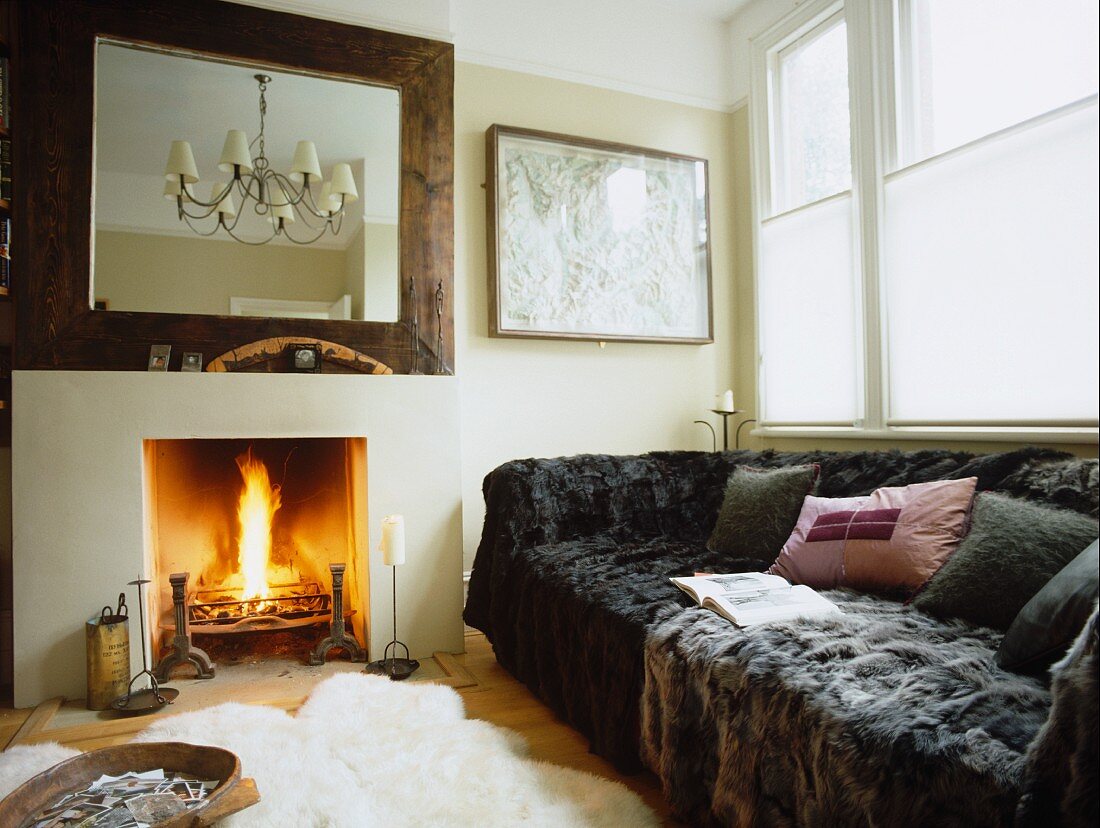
[(7, 310), (8, 11)]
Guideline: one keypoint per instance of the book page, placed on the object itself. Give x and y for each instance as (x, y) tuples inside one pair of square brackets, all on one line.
[(702, 587), (747, 608)]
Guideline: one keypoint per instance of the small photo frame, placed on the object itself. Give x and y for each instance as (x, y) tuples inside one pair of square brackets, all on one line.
[(191, 362), (158, 357), (305, 358)]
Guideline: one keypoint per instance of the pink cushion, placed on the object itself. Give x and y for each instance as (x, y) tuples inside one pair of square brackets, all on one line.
[(892, 540)]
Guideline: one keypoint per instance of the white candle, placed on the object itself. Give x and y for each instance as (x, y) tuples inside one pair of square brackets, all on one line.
[(726, 403), (392, 545)]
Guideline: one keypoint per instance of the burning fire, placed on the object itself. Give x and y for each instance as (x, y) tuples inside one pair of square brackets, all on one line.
[(260, 500)]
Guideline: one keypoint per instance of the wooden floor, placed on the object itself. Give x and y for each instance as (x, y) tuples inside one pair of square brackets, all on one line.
[(496, 698)]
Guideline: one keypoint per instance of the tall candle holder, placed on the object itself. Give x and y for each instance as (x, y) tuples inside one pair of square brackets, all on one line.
[(725, 415), (392, 547), (155, 696), (394, 668)]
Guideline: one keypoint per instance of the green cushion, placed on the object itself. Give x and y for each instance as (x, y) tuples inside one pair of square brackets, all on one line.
[(1014, 547), (760, 509), (1054, 617)]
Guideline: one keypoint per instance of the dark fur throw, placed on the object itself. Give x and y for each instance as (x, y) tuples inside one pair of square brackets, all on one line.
[(882, 716), (571, 577)]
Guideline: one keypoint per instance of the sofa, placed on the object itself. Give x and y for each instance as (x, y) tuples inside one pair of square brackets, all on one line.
[(882, 716)]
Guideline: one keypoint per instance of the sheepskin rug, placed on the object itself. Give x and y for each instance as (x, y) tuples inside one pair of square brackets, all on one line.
[(21, 762), (365, 751)]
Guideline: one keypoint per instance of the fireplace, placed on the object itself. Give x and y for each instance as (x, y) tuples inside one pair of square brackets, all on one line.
[(84, 525), (256, 549)]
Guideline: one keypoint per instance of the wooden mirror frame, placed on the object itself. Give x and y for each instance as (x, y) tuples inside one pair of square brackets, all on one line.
[(54, 90)]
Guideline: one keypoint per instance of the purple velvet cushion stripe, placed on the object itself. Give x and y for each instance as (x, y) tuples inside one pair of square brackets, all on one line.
[(867, 524)]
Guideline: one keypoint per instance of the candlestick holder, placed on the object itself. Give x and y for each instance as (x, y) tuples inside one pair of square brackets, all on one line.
[(396, 669), (155, 696), (725, 415)]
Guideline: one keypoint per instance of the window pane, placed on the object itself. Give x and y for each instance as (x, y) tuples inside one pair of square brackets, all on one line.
[(990, 260), (808, 316), (977, 66), (812, 149)]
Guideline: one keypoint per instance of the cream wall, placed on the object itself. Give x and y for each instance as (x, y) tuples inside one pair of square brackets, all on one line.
[(531, 398), (380, 265), (125, 273)]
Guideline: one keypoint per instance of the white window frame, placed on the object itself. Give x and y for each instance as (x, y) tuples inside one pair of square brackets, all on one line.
[(872, 30)]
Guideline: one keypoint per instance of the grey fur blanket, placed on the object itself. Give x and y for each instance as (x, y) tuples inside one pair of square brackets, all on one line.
[(883, 716)]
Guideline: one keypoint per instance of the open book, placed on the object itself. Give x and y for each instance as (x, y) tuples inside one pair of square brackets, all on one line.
[(748, 598)]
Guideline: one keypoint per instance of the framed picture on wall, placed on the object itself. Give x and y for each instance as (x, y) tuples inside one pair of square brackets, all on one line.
[(595, 240)]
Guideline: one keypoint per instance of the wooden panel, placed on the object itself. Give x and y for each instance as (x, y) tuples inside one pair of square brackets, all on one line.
[(270, 350), (54, 91), (37, 720)]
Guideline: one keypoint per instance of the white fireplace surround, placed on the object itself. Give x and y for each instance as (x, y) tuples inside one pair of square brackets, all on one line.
[(79, 532)]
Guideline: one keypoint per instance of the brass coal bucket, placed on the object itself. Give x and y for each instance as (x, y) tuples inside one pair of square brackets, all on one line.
[(107, 637)]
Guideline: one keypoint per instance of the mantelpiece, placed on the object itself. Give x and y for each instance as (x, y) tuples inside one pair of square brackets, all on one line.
[(56, 46)]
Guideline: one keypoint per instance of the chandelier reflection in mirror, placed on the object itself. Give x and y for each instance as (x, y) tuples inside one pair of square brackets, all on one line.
[(271, 195)]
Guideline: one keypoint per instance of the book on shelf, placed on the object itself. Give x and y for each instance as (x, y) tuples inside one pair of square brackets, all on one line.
[(5, 94), (5, 167), (748, 598), (5, 256)]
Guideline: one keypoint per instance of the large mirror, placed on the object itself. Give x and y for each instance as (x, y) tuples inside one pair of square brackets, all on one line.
[(310, 171), (104, 89)]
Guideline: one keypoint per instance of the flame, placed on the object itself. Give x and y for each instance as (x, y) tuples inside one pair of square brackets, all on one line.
[(260, 500)]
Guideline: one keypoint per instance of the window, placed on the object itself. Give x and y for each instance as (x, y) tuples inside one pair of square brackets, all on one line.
[(812, 146), (969, 68), (926, 217), (807, 273)]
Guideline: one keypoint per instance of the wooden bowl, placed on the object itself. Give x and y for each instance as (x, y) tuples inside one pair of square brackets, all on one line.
[(232, 794)]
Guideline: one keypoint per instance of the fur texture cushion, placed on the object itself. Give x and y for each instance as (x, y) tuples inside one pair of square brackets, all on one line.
[(760, 509), (880, 716), (1012, 550), (1061, 778)]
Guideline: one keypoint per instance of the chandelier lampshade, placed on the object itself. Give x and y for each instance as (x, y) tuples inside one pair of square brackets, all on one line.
[(225, 207), (305, 163), (173, 190), (281, 211), (235, 155), (343, 183), (327, 204), (181, 163), (280, 200)]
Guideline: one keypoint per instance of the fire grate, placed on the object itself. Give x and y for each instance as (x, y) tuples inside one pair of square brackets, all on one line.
[(292, 605), (215, 612)]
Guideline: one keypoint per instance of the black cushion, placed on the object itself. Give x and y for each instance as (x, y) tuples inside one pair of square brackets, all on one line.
[(1051, 620)]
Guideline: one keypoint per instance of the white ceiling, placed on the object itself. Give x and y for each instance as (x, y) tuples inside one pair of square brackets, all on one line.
[(145, 100), (721, 10), (674, 50)]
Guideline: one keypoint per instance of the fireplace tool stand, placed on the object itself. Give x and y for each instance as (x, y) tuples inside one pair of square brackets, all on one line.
[(183, 651), (338, 637), (390, 665), (154, 697)]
